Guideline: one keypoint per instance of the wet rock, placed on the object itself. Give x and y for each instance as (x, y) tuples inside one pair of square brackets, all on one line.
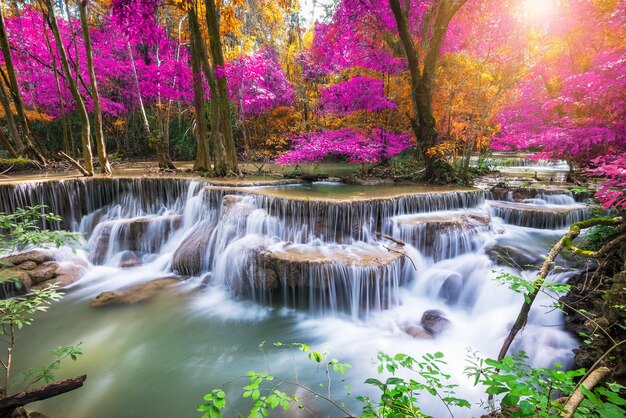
[(27, 265), (418, 332), (130, 259), (33, 256), (144, 234), (133, 294), (190, 257), (44, 272), (37, 270), (451, 288), (434, 322), (13, 283)]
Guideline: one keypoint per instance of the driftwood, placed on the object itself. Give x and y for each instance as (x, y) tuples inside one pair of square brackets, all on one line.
[(589, 383), (390, 238), (9, 403), (75, 163)]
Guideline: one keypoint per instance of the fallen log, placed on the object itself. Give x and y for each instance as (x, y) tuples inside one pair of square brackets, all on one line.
[(9, 403), (390, 238), (75, 163)]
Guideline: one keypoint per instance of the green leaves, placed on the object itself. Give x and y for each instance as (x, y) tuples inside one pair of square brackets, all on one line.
[(23, 228), (215, 402)]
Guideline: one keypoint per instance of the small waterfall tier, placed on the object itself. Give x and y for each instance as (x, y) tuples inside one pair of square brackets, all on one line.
[(357, 278), (340, 219), (536, 213), (442, 235)]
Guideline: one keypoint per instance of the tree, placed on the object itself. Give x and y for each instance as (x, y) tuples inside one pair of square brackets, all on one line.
[(10, 79), (105, 167), (48, 10), (220, 101), (422, 78)]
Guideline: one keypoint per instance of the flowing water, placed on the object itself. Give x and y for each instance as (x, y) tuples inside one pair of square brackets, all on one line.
[(283, 263)]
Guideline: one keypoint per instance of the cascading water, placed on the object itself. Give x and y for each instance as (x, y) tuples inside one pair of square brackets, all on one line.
[(270, 264)]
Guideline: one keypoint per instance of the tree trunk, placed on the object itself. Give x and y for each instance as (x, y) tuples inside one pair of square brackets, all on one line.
[(216, 145), (13, 131), (202, 162), (223, 101), (105, 166), (67, 148), (73, 86), (423, 121), (14, 87), (163, 140), (4, 140)]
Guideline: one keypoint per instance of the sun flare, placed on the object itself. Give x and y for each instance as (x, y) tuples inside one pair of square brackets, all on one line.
[(538, 10)]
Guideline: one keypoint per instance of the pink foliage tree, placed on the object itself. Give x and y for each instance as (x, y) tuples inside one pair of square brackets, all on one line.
[(358, 146), (359, 93), (612, 192)]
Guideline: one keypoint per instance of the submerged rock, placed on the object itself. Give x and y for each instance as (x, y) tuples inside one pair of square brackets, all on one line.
[(133, 294), (130, 259), (434, 322), (418, 332)]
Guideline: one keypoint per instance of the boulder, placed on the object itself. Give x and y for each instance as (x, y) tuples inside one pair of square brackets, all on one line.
[(36, 270), (33, 256), (133, 294), (434, 322), (190, 257), (43, 272)]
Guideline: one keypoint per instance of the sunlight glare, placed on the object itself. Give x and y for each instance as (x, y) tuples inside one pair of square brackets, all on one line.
[(538, 10)]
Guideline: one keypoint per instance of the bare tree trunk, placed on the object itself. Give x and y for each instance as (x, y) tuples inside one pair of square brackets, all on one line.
[(202, 162), (105, 166), (216, 145), (223, 101), (48, 11), (163, 140), (13, 131), (4, 140), (66, 143), (14, 87)]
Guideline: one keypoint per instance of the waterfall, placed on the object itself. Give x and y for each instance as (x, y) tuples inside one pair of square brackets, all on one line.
[(255, 254)]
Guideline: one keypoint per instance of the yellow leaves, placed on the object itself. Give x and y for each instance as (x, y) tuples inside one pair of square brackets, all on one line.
[(229, 23)]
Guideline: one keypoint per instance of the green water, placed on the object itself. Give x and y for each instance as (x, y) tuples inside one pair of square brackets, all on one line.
[(154, 359), (338, 191)]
